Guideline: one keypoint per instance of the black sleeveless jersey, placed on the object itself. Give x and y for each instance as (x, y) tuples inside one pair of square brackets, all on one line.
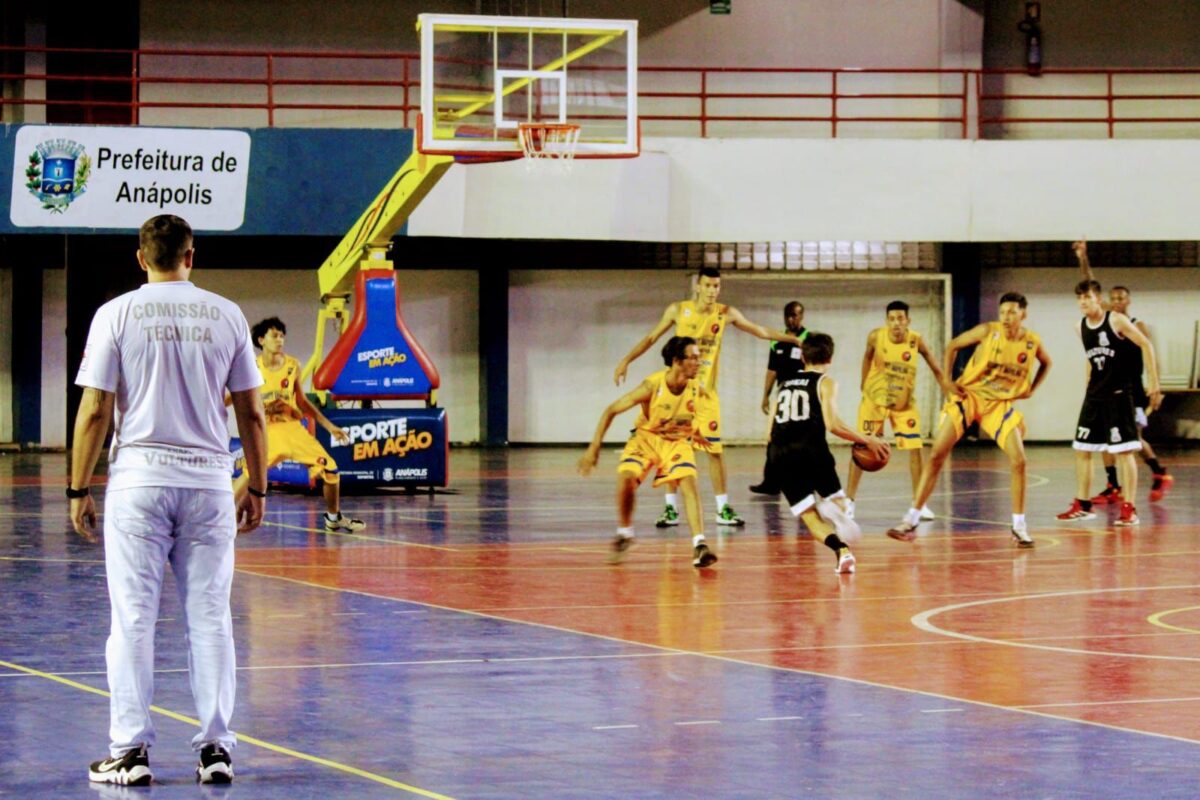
[(799, 421), (1131, 362), (1109, 358)]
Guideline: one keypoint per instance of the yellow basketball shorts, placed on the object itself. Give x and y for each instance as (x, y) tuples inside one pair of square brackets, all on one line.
[(996, 418), (708, 420), (906, 423), (289, 440), (672, 458)]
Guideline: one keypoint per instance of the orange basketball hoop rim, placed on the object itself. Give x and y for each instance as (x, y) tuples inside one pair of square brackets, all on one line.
[(552, 140)]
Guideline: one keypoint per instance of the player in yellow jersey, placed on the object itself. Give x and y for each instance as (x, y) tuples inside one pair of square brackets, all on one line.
[(287, 439), (703, 319), (889, 377), (1000, 372), (671, 403)]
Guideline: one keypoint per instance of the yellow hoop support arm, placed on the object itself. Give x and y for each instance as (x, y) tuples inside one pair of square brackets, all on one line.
[(386, 215), (334, 308)]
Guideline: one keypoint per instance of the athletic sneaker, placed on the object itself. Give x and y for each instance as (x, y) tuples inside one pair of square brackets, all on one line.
[(1110, 496), (764, 488), (849, 508), (1128, 516), (702, 556), (1075, 512), (668, 518), (132, 768), (215, 765), (727, 516), (845, 562), (927, 514), (343, 524), (1160, 487), (903, 532), (620, 546), (1021, 534)]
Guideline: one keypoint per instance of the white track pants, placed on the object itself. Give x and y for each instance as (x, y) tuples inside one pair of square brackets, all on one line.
[(192, 530)]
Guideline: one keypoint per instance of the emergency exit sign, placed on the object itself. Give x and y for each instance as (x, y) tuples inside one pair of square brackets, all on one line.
[(720, 6)]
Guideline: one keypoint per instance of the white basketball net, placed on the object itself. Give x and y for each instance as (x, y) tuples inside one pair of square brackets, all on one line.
[(546, 144)]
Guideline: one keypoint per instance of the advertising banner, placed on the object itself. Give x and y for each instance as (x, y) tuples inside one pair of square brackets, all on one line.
[(390, 446), (118, 177)]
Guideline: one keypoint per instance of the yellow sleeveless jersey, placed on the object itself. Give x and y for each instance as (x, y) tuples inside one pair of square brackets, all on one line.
[(279, 386), (1001, 369), (893, 370), (671, 416), (706, 329)]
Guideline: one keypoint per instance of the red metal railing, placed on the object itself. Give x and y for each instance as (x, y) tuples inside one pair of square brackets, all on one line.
[(970, 103)]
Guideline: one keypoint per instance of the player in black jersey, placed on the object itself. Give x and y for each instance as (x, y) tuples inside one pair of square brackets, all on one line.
[(1119, 299), (1107, 419), (799, 461), (783, 361)]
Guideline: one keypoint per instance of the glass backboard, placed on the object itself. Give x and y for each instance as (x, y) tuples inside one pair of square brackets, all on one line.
[(483, 76)]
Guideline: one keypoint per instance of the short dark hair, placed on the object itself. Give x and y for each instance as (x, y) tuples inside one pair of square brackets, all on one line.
[(1014, 297), (710, 272), (1124, 289), (1085, 286), (261, 329), (897, 305), (164, 240), (676, 348), (817, 349), (796, 305)]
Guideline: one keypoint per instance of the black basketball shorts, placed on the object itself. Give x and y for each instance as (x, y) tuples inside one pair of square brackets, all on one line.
[(1107, 424)]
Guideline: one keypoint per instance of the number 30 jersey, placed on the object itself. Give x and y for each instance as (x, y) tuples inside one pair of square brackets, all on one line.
[(799, 421)]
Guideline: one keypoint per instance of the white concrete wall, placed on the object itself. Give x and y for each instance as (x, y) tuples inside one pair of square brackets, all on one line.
[(792, 189), (438, 306), (570, 328), (1168, 300), (6, 382), (54, 359)]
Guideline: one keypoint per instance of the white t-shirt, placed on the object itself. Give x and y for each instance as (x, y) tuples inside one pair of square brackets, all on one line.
[(169, 351)]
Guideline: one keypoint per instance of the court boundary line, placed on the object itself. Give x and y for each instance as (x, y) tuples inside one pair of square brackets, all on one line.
[(740, 662), (287, 751), (921, 622)]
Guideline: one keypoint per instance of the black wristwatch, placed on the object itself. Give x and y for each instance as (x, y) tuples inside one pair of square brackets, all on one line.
[(75, 494), (255, 492)]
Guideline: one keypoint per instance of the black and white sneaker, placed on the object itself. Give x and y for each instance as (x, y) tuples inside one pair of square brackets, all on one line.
[(702, 556), (620, 546), (215, 765), (343, 524), (131, 769)]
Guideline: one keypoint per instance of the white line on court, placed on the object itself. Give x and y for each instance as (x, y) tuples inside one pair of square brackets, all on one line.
[(922, 621)]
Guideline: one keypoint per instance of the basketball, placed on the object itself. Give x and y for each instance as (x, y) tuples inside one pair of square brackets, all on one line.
[(866, 461)]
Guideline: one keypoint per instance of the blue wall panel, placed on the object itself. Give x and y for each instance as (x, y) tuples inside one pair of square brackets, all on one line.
[(302, 180)]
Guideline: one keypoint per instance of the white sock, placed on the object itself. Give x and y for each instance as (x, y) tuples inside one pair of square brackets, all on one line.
[(625, 533), (698, 539), (671, 501), (913, 516), (1018, 520), (333, 517), (722, 501)]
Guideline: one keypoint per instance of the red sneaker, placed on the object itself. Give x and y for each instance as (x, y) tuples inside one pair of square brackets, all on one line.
[(1110, 496), (1076, 511), (1128, 516), (1160, 487)]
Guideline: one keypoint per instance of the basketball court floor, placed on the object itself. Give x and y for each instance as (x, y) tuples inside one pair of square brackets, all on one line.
[(476, 644)]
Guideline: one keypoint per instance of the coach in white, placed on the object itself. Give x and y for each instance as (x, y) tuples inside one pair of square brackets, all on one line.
[(165, 355)]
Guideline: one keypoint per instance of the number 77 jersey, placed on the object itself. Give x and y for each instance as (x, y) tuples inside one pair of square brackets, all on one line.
[(799, 421)]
